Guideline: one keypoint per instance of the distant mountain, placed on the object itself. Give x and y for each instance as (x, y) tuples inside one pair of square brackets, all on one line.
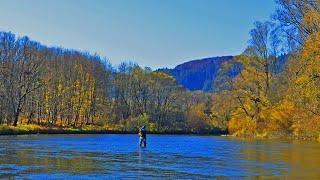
[(198, 74)]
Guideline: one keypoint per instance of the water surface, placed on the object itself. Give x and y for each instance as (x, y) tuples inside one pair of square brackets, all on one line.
[(167, 156)]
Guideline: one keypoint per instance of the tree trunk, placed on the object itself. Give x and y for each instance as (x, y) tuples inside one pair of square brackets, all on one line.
[(16, 118)]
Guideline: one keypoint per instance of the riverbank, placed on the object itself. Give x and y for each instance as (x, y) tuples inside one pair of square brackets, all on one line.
[(36, 129)]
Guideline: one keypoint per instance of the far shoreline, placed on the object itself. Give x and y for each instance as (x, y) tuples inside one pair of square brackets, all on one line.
[(10, 130)]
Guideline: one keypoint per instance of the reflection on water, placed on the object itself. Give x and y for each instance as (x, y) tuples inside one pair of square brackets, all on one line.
[(118, 156)]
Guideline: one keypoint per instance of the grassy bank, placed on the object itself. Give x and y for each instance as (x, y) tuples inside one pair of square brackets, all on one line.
[(36, 129)]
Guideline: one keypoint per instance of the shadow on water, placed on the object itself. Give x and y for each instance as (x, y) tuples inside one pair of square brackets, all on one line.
[(169, 156)]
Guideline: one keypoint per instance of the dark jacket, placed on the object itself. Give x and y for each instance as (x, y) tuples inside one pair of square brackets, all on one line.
[(143, 132)]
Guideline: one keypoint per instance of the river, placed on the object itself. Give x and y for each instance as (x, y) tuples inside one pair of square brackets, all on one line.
[(166, 156)]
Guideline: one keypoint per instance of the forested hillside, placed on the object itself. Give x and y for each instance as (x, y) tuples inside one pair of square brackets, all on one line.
[(270, 90), (203, 74), (198, 74)]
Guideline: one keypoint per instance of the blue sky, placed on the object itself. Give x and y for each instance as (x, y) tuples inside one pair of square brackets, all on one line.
[(154, 33)]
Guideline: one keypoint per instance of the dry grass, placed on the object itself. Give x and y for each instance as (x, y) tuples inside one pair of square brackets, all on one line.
[(36, 129)]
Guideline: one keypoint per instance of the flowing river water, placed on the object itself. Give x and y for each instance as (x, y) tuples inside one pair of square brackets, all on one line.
[(166, 156)]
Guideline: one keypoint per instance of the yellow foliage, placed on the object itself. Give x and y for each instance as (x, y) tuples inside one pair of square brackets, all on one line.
[(311, 20), (242, 126), (198, 120), (163, 75), (280, 118), (303, 91)]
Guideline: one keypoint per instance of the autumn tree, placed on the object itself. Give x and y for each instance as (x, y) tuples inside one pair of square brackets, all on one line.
[(20, 71), (298, 19)]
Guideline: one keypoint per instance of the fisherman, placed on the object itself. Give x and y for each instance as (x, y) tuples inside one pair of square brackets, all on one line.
[(143, 136)]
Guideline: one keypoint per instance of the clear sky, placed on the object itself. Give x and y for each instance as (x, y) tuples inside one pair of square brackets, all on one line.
[(154, 33)]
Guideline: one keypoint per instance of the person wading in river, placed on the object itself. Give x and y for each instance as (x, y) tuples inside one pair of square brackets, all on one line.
[(143, 136)]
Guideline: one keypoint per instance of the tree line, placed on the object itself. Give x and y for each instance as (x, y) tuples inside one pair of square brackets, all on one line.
[(68, 88)]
